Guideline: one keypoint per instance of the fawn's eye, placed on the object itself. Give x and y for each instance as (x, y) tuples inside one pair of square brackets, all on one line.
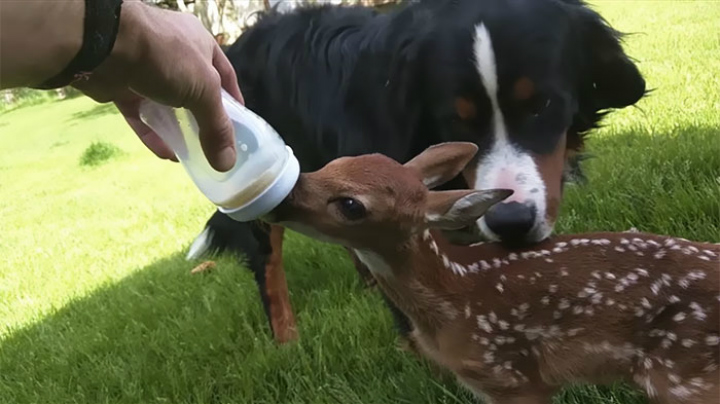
[(351, 208)]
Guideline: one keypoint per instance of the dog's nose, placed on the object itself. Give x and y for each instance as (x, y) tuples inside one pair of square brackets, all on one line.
[(511, 221)]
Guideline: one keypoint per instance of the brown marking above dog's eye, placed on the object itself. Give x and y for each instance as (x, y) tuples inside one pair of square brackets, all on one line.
[(524, 89), (465, 108)]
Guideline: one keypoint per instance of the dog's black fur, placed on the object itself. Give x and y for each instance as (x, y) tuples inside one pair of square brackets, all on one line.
[(340, 81)]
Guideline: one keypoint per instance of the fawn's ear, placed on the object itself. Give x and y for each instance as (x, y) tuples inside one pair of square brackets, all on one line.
[(452, 210), (440, 163)]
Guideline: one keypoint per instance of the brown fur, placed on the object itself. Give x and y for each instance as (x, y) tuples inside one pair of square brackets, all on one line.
[(551, 169), (516, 325), (523, 89), (282, 318)]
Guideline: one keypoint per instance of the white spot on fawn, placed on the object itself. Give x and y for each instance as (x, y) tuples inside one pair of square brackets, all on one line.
[(679, 317), (493, 317), (484, 324), (642, 271), (680, 392), (574, 331), (698, 312), (646, 303)]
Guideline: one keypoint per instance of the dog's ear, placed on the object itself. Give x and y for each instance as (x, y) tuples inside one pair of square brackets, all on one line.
[(616, 80)]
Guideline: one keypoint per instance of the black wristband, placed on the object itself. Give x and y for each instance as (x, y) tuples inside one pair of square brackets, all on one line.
[(102, 19)]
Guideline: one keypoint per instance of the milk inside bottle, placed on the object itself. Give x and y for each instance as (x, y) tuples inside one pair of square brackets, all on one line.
[(265, 170)]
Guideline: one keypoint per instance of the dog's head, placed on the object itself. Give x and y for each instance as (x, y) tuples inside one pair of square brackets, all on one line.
[(524, 80)]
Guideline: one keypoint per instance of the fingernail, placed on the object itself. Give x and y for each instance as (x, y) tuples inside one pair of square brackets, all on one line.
[(226, 159)]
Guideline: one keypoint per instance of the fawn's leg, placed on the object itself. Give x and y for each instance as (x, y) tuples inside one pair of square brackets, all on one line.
[(279, 309), (403, 326), (365, 275), (402, 323)]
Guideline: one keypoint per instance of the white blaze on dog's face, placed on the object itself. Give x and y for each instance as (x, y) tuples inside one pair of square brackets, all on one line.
[(525, 214)]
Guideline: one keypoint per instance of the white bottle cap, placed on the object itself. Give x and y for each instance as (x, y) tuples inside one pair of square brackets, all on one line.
[(272, 196)]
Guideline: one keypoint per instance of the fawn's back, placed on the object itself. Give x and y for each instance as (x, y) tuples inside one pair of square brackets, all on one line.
[(586, 308)]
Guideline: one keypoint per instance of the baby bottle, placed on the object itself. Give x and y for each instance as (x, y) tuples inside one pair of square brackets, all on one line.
[(265, 170)]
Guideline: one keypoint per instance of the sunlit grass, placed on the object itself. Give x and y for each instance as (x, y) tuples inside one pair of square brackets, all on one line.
[(97, 303)]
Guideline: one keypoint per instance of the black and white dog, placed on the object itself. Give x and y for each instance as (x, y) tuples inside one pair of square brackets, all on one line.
[(523, 79)]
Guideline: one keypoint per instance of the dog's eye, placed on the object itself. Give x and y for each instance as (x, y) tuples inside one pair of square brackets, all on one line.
[(351, 208), (538, 105)]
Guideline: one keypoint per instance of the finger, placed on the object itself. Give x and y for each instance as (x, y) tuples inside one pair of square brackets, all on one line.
[(228, 77), (216, 131), (130, 109)]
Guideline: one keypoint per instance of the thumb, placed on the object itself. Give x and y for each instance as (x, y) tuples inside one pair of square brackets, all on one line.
[(216, 131)]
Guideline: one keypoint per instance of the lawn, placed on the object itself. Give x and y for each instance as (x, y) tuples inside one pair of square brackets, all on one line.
[(97, 303)]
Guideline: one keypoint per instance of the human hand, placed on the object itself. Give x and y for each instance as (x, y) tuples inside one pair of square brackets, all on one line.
[(171, 58)]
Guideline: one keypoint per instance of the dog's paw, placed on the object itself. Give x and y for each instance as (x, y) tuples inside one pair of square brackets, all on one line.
[(206, 266)]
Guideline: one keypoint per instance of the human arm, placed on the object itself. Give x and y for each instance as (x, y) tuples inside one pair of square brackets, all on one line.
[(163, 55)]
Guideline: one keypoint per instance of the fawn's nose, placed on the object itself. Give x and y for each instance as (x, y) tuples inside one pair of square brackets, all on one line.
[(280, 212), (511, 221)]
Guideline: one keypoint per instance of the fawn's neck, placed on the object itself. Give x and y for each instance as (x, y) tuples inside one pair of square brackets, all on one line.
[(420, 279)]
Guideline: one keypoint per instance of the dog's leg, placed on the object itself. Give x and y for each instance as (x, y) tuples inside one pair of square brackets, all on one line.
[(257, 264), (280, 310)]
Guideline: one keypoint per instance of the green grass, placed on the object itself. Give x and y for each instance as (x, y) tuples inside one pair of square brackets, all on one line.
[(97, 303), (99, 153)]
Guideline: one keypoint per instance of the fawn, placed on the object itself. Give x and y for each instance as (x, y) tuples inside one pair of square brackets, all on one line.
[(514, 325)]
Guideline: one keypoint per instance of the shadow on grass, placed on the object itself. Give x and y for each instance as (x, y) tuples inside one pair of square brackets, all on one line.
[(105, 345), (163, 335), (667, 184), (95, 112)]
